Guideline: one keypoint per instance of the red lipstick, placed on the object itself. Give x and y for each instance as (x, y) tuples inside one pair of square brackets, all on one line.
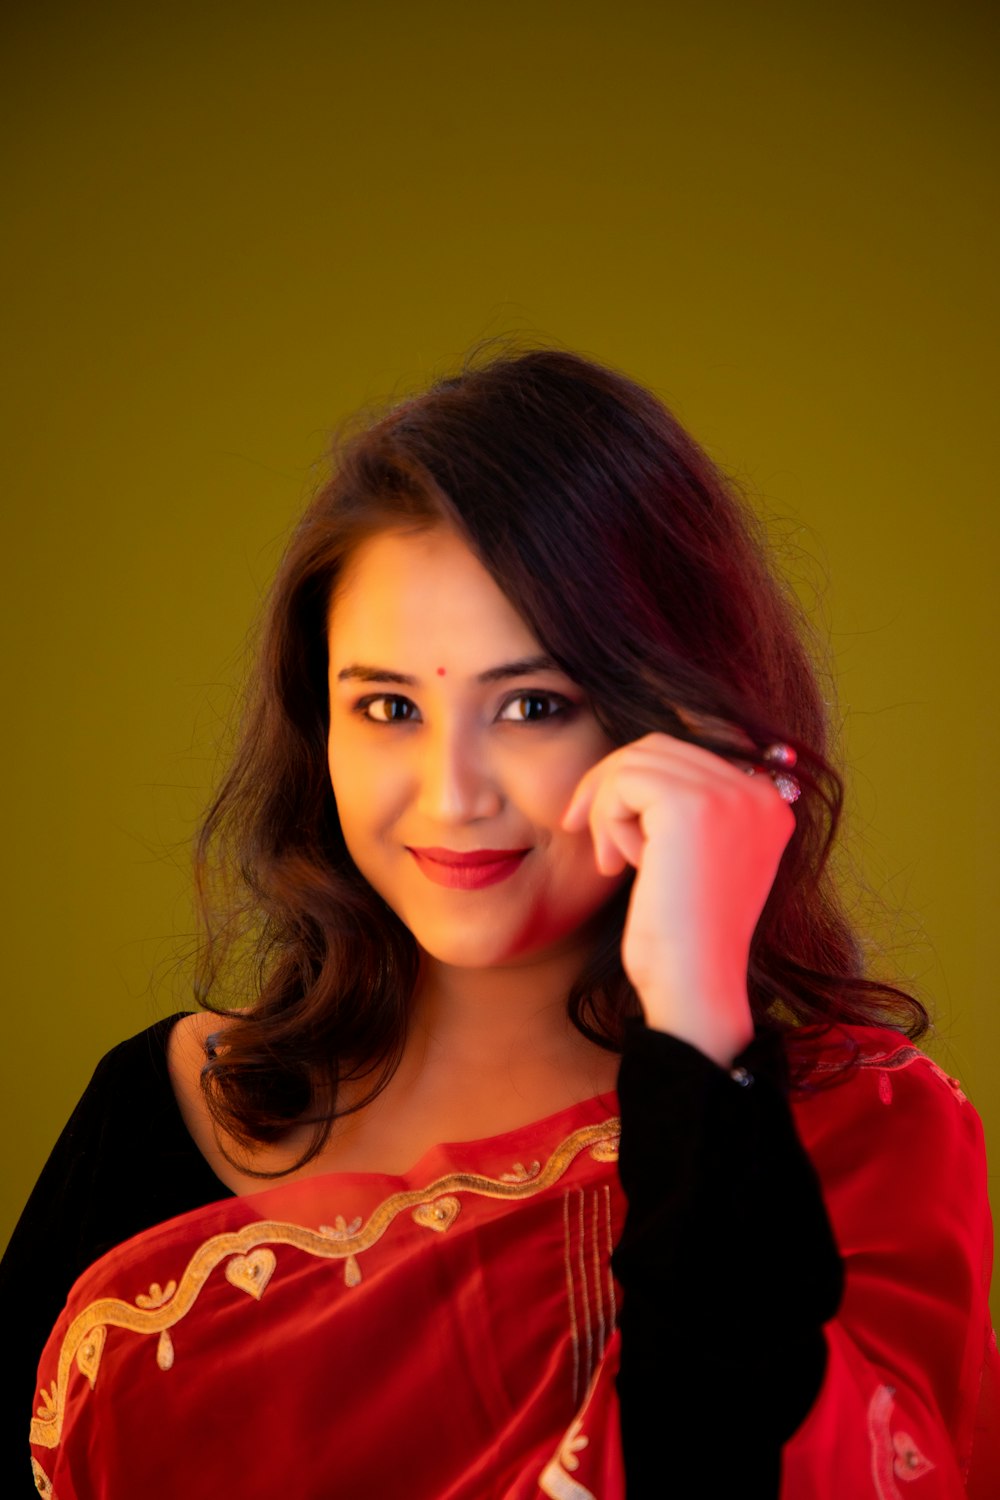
[(469, 871)]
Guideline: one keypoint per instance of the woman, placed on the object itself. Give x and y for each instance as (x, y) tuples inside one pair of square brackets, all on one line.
[(515, 821)]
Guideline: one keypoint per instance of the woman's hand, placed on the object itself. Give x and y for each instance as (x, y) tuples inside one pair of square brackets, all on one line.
[(705, 840)]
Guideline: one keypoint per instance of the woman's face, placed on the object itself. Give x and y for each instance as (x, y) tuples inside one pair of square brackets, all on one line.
[(454, 749)]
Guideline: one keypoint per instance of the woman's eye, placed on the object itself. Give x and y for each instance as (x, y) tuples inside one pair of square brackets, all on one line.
[(387, 708), (533, 708)]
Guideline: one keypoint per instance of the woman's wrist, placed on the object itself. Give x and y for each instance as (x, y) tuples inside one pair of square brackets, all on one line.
[(720, 1030)]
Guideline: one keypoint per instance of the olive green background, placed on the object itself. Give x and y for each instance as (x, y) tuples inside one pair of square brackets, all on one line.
[(228, 226)]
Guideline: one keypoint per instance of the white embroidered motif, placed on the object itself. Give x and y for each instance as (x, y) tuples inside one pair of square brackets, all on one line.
[(554, 1481), (556, 1478), (894, 1454)]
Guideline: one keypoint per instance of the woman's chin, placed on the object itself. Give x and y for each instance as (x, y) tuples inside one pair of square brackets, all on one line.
[(467, 954), (488, 948)]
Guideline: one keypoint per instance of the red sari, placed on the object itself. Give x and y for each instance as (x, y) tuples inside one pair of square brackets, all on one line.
[(451, 1334)]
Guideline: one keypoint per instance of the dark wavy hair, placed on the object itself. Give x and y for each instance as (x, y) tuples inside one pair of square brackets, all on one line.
[(645, 576)]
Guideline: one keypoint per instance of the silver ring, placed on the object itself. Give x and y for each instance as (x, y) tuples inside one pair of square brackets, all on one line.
[(780, 755), (786, 786)]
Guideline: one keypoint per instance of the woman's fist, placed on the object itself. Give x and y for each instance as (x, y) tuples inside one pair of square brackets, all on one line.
[(705, 840)]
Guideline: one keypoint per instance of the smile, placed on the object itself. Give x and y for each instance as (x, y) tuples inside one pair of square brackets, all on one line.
[(468, 872)]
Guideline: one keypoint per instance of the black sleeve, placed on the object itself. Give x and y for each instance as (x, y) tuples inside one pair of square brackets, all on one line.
[(124, 1162), (729, 1269)]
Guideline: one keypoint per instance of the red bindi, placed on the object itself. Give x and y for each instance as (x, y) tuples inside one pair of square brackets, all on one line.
[(440, 671)]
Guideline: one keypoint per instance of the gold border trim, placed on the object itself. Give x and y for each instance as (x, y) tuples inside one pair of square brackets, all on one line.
[(149, 1315)]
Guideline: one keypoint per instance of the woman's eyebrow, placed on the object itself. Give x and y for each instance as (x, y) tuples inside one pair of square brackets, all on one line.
[(523, 667), (374, 674)]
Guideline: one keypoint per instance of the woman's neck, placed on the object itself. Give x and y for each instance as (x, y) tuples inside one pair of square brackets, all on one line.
[(500, 1029)]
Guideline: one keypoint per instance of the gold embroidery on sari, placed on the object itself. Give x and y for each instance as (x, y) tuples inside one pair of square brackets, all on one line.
[(587, 1245), (555, 1479), (571, 1297), (157, 1295), (521, 1173), (43, 1484), (595, 1249), (341, 1230), (88, 1356), (573, 1443), (609, 1245), (251, 1273), (49, 1403), (165, 1351), (439, 1215), (903, 1057), (585, 1290), (247, 1251)]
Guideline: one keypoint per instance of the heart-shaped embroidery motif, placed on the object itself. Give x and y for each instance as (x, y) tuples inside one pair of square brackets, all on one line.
[(88, 1356), (909, 1463), (439, 1215), (252, 1272)]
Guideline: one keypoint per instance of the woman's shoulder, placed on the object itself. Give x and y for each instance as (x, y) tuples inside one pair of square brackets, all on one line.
[(145, 1052), (853, 1053), (867, 1091), (129, 1122), (900, 1157), (186, 1054), (185, 1045)]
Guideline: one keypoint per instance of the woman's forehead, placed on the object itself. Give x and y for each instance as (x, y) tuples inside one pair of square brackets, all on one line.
[(426, 592)]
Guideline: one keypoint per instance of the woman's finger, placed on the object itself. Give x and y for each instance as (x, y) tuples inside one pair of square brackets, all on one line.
[(618, 842)]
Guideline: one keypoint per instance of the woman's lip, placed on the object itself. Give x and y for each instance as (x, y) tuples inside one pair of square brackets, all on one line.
[(468, 857), (468, 872)]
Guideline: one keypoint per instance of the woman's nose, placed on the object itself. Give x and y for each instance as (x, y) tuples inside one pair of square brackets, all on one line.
[(456, 782)]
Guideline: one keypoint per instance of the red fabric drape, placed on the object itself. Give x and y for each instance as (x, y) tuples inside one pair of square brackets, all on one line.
[(451, 1335)]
